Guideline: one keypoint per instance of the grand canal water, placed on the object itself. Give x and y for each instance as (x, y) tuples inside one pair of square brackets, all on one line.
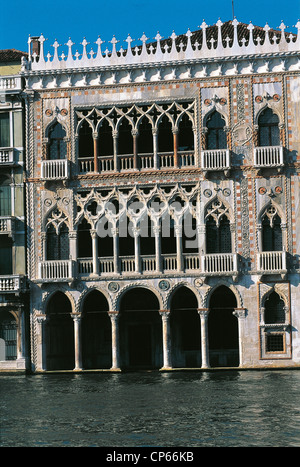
[(191, 409)]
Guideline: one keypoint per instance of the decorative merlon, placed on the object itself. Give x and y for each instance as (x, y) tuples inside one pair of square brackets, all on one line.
[(209, 42)]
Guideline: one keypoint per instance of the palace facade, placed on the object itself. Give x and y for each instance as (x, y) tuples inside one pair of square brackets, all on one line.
[(162, 188)]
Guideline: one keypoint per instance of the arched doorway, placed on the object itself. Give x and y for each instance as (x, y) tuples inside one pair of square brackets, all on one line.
[(8, 336), (96, 332), (223, 328), (140, 330), (185, 329), (59, 334)]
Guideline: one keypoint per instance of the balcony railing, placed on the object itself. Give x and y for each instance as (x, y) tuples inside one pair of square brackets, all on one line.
[(215, 159), (12, 283), (10, 83), (56, 270), (271, 261), (55, 169), (219, 263), (7, 225), (268, 156), (6, 156)]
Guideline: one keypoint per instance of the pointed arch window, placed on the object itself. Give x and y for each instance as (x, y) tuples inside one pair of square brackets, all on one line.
[(274, 309), (58, 242), (216, 136), (186, 134), (86, 144), (218, 233), (271, 230), (106, 147), (268, 128), (125, 140), (57, 142)]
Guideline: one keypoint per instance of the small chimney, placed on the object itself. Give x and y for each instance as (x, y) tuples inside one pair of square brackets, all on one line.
[(35, 47)]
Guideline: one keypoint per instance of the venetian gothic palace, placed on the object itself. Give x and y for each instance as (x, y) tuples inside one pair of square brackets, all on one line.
[(149, 202)]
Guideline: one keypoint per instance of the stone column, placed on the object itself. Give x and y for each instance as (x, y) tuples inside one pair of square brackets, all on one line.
[(114, 318), (96, 151), (44, 245), (94, 236), (156, 230), (175, 140), (137, 256), (77, 340), (155, 155), (73, 244), (165, 315), (135, 149), (41, 320), (240, 313), (203, 313), (115, 234), (178, 233), (115, 143)]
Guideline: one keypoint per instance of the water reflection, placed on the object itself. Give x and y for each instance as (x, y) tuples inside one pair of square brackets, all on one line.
[(151, 409)]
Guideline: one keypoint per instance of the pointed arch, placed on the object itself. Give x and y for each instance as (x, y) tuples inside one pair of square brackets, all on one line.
[(215, 123)]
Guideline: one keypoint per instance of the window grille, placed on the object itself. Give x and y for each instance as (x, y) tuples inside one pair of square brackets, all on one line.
[(57, 143), (216, 136), (218, 234), (8, 332), (274, 309), (268, 132), (58, 243), (4, 130), (274, 342)]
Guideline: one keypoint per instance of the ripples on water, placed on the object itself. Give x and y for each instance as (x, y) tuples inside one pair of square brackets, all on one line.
[(251, 408)]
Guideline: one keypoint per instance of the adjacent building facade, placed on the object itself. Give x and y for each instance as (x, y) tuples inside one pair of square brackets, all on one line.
[(162, 187), (14, 320)]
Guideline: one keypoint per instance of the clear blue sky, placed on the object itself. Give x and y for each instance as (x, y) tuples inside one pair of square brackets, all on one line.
[(78, 19)]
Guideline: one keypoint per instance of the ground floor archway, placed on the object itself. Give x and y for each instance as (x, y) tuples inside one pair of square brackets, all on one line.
[(185, 329), (223, 329), (96, 332), (140, 330), (8, 336), (59, 333)]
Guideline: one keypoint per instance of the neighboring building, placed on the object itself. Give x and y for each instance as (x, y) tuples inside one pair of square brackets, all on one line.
[(14, 321), (194, 140)]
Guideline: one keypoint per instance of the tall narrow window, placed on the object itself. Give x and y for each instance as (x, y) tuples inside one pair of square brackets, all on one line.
[(216, 136), (58, 243), (5, 195), (274, 309), (84, 240), (125, 140), (57, 142), (218, 234), (268, 133), (165, 136), (106, 147), (5, 255), (86, 144), (145, 138), (186, 134), (271, 230), (4, 130)]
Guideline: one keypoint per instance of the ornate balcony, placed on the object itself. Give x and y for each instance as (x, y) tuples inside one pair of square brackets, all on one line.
[(56, 271), (271, 262), (12, 284), (6, 157), (55, 169), (215, 160), (219, 264), (268, 156), (7, 225), (11, 84)]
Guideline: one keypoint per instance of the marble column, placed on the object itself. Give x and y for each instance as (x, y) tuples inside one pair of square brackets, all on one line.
[(137, 256), (175, 142), (115, 234), (115, 147), (240, 313), (178, 233), (135, 149), (114, 318), (94, 236), (77, 340), (203, 313), (155, 154), (156, 230), (166, 332), (96, 151), (41, 320)]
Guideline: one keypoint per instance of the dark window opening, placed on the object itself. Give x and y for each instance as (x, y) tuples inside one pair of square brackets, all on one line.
[(58, 244), (106, 146), (57, 143), (189, 235), (186, 134), (271, 234), (6, 262), (147, 239), (165, 136), (168, 237), (216, 136), (268, 133), (126, 239), (84, 240), (8, 333), (274, 309), (274, 343), (86, 144), (4, 130), (218, 237), (145, 137), (5, 195), (125, 140), (105, 240)]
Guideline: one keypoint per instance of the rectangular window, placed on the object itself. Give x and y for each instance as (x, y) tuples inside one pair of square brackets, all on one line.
[(274, 343), (4, 130), (5, 255)]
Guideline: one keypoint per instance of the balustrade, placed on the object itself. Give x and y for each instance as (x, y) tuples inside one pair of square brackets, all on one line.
[(219, 263), (6, 156), (268, 156), (10, 83), (55, 169), (271, 261), (215, 159), (56, 270), (169, 262), (191, 262), (11, 283), (6, 225), (148, 263)]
